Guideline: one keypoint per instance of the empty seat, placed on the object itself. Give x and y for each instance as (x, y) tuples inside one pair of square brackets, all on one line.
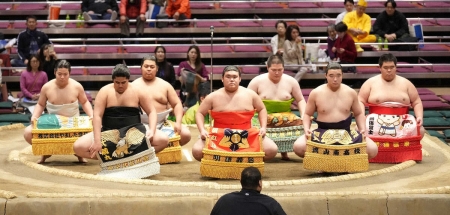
[(100, 71), (235, 5), (102, 49), (216, 48), (31, 6), (139, 49), (252, 48), (22, 25)]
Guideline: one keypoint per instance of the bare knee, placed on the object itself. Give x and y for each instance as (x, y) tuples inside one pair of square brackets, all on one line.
[(27, 135), (371, 148), (270, 149), (160, 141), (185, 135), (82, 145), (197, 150), (300, 146)]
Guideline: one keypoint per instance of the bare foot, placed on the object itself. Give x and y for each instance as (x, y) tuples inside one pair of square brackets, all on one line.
[(284, 156), (43, 158), (81, 160)]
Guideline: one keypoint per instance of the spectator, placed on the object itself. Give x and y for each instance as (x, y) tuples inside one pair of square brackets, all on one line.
[(293, 52), (178, 10), (391, 24), (47, 58), (189, 116), (249, 200), (99, 10), (165, 68), (32, 80), (29, 42), (132, 9), (332, 36), (359, 25), (155, 8), (277, 41), (344, 47), (349, 4), (193, 65)]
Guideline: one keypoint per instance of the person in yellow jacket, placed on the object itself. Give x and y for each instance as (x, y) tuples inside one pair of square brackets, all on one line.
[(359, 25)]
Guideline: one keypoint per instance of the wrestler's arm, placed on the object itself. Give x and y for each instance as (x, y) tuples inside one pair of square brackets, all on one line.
[(82, 99), (262, 112), (100, 106), (358, 113), (39, 108), (146, 104), (203, 109), (416, 103), (176, 104), (309, 111), (363, 95), (253, 85), (298, 96)]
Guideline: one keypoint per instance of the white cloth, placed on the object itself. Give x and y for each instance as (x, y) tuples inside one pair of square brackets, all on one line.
[(68, 110), (274, 44), (340, 17)]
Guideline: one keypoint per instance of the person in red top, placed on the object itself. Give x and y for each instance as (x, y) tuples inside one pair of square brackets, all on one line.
[(132, 9), (344, 47), (178, 10)]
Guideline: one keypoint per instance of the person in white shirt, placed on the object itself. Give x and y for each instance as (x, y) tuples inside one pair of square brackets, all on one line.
[(277, 41), (349, 5)]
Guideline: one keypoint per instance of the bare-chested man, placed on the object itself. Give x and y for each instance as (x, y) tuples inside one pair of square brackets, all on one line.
[(117, 105), (162, 95), (276, 86), (61, 96), (391, 88), (228, 100), (334, 103)]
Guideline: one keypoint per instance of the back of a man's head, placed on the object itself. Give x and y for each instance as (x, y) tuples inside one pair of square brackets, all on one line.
[(250, 178)]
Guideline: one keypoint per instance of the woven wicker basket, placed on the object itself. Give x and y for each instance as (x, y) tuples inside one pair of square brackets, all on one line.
[(336, 158), (56, 141), (229, 165), (285, 137), (172, 153)]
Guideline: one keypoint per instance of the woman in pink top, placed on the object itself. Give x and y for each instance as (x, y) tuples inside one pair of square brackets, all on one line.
[(32, 80), (193, 64)]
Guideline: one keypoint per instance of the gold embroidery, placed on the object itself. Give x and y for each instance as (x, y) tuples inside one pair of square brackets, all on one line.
[(235, 139), (332, 136)]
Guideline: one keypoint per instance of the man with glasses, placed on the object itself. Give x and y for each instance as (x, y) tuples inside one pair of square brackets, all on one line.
[(359, 25)]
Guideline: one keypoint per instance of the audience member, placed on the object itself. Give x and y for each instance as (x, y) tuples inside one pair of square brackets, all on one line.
[(32, 80), (192, 72), (156, 8), (359, 25), (48, 58), (331, 39), (249, 200), (391, 24), (277, 41), (293, 52), (344, 47), (28, 42), (178, 10), (132, 9), (349, 4), (61, 96), (99, 9), (165, 68)]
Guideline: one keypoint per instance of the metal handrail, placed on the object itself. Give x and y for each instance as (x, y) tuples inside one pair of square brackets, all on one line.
[(234, 1), (193, 39), (212, 20)]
